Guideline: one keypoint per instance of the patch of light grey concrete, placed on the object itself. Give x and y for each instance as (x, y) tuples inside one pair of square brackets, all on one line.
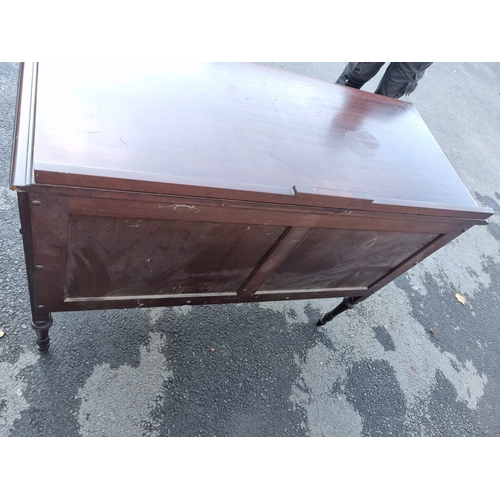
[(328, 412), (469, 389), (415, 360), (12, 388), (461, 263), (119, 402), (154, 314), (182, 310), (293, 310), (7, 198)]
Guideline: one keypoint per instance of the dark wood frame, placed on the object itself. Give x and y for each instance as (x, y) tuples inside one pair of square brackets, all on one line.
[(52, 196)]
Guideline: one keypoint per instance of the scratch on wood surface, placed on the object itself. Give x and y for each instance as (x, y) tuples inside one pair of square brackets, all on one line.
[(369, 243), (179, 205)]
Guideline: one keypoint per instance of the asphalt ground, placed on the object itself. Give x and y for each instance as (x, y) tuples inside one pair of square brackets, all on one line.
[(265, 369)]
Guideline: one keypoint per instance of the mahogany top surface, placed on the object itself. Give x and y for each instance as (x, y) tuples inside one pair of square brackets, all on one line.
[(237, 126)]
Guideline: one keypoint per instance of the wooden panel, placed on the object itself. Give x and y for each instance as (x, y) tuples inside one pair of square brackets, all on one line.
[(49, 232), (332, 259), (111, 257), (245, 128), (273, 260)]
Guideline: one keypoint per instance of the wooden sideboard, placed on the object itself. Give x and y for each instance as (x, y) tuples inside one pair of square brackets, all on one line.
[(172, 184)]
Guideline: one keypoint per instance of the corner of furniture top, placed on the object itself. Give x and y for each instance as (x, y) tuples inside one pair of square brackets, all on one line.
[(21, 173)]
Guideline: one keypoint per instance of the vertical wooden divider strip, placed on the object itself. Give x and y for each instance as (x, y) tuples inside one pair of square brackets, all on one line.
[(276, 256)]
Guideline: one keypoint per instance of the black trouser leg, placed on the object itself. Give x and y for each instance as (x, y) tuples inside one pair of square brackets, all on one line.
[(401, 78), (356, 74)]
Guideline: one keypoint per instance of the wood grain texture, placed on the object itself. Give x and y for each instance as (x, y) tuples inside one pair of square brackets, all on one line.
[(328, 259), (49, 235), (111, 256), (222, 183), (244, 128)]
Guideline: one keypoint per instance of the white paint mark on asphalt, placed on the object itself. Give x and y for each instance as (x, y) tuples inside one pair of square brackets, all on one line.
[(12, 389), (118, 402)]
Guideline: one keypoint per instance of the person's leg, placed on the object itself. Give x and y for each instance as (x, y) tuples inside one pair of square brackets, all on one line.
[(401, 78), (356, 74)]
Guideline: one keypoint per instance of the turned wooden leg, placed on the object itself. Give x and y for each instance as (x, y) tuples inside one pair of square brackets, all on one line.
[(347, 303), (41, 325)]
